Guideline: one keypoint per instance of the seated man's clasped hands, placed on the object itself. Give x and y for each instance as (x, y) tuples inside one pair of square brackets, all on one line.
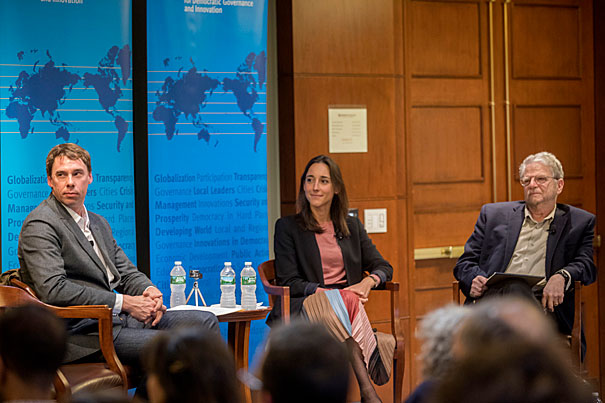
[(147, 308)]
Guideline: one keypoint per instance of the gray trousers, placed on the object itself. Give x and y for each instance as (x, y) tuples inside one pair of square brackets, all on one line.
[(134, 335)]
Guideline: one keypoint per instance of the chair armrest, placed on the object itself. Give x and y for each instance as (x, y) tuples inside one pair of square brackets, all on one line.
[(104, 315), (276, 289), (20, 284), (284, 294), (267, 273), (391, 286), (100, 312)]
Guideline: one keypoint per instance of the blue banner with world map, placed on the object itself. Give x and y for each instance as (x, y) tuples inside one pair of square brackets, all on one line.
[(65, 76), (207, 117)]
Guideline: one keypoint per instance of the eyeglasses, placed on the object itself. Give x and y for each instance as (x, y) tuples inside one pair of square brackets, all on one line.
[(540, 180)]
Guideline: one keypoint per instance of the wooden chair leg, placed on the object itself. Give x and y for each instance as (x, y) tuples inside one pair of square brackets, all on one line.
[(398, 380)]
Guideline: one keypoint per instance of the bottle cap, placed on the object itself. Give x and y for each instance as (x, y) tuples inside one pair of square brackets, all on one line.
[(248, 263), (227, 263), (178, 263)]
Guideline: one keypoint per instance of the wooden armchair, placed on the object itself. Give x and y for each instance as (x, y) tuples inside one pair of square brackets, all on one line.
[(76, 378), (267, 275), (574, 339)]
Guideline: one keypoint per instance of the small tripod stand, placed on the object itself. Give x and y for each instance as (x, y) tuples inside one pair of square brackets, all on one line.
[(195, 274)]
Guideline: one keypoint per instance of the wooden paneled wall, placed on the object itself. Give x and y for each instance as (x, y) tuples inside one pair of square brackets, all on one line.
[(458, 92)]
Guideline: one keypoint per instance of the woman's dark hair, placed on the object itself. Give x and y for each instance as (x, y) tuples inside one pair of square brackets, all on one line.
[(305, 363), (193, 365), (340, 203)]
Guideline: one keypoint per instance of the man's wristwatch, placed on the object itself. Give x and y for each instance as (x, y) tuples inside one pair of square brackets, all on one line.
[(566, 276)]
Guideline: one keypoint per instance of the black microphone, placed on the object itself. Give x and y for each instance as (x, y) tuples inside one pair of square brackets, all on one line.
[(552, 230), (338, 236)]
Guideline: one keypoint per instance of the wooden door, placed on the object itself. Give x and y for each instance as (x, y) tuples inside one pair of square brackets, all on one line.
[(489, 82), (551, 82), (449, 136)]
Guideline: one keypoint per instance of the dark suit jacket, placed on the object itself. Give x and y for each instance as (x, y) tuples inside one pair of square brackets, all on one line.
[(298, 262), (569, 246), (60, 264)]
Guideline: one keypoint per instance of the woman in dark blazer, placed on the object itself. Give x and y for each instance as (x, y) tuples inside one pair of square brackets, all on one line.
[(322, 248)]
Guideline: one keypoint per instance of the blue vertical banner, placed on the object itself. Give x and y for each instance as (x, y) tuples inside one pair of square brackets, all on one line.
[(207, 110), (65, 76)]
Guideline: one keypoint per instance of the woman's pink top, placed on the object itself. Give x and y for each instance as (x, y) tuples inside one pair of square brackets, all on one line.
[(331, 255)]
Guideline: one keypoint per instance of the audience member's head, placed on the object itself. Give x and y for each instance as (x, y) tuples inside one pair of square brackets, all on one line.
[(499, 319), (437, 332), (512, 371), (507, 350), (522, 315), (190, 364), (305, 363), (32, 345)]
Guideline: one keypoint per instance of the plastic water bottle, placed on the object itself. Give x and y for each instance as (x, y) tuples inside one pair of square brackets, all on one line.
[(248, 278), (596, 398), (228, 286), (178, 282)]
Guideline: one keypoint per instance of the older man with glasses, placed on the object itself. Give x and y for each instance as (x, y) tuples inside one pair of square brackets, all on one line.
[(537, 237)]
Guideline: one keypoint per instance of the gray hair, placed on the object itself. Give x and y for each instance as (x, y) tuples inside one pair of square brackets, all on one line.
[(437, 330), (544, 158)]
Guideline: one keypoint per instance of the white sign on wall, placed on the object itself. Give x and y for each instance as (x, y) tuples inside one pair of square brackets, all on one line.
[(348, 129)]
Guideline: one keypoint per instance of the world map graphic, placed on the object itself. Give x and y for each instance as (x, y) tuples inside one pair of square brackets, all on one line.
[(188, 94), (45, 88)]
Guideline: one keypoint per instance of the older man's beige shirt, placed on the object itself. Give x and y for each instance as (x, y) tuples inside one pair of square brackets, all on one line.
[(529, 256)]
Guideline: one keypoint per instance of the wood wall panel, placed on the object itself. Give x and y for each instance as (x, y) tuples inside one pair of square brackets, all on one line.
[(344, 36), (430, 299), (541, 92), (451, 135), (441, 92), (435, 273), (443, 229), (553, 128), (445, 39), (437, 198), (368, 175), (545, 41)]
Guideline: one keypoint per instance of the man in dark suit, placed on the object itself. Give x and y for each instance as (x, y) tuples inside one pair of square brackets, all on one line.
[(536, 236), (69, 257)]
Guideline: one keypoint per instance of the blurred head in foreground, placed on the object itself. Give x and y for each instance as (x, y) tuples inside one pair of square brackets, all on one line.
[(190, 365), (513, 371), (305, 363), (507, 350), (437, 331), (32, 345)]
